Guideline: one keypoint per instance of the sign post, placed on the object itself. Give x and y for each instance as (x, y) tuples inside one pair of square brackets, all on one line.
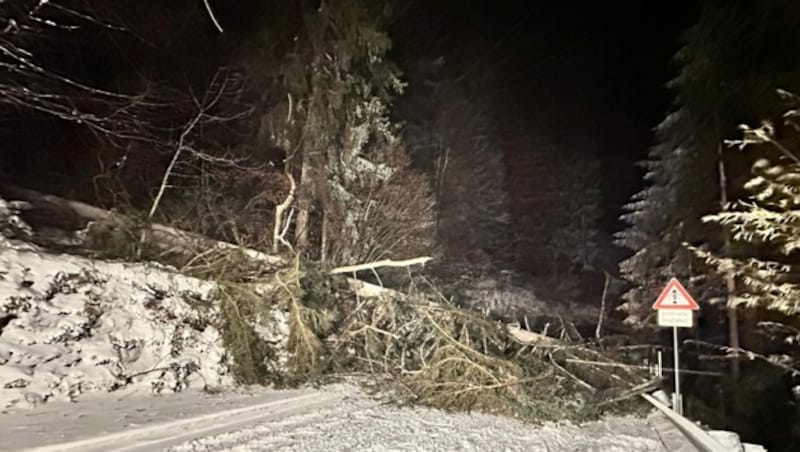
[(676, 309)]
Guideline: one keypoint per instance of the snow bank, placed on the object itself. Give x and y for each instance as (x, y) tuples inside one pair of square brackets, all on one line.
[(70, 325)]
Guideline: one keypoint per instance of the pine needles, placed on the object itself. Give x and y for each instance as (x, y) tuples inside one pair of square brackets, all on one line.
[(416, 345), (250, 354), (450, 358), (304, 345)]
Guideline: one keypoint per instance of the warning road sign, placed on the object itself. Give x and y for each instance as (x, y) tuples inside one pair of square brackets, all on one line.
[(676, 309), (675, 296)]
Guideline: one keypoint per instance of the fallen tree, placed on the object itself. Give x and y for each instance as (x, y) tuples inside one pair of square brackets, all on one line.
[(62, 222), (419, 344), (436, 354)]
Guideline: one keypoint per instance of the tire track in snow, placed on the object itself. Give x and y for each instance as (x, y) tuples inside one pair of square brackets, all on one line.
[(166, 434), (294, 432)]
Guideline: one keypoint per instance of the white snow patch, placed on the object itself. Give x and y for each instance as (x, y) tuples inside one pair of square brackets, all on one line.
[(11, 225), (70, 325)]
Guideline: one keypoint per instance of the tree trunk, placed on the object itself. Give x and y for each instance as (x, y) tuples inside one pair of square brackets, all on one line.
[(730, 283), (303, 215), (323, 245), (598, 331), (277, 226), (69, 216)]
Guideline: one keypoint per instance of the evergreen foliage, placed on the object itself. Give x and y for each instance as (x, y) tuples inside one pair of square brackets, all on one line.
[(765, 225), (348, 155), (729, 68), (450, 128), (508, 198)]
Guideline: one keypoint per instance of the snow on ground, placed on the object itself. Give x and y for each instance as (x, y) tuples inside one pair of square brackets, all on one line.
[(331, 418), (358, 423), (69, 325)]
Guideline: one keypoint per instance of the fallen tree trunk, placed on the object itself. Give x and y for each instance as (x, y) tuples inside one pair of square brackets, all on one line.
[(50, 211), (378, 264), (525, 337)]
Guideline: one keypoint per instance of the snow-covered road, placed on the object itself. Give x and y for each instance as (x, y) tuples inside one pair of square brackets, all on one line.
[(332, 418)]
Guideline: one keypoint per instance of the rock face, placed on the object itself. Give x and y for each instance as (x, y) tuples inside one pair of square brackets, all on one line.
[(69, 325)]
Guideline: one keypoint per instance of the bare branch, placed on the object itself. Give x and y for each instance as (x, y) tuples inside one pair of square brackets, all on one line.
[(277, 234), (211, 15), (86, 17), (382, 263), (180, 147)]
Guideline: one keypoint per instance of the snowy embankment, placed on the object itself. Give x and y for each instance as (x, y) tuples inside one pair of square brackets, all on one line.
[(69, 325)]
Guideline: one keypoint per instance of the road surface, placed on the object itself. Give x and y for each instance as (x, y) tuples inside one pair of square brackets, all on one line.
[(332, 418)]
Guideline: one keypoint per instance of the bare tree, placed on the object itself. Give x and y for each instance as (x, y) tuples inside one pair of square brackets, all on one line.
[(27, 82)]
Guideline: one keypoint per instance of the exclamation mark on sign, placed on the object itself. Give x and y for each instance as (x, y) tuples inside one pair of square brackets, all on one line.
[(674, 296)]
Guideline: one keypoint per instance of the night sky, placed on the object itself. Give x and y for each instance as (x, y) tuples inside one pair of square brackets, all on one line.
[(591, 74)]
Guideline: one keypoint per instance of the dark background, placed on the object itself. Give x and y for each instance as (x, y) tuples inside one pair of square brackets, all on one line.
[(588, 77), (591, 76)]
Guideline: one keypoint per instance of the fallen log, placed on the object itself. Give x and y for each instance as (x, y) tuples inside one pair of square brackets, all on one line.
[(50, 211), (377, 264), (367, 290), (525, 337)]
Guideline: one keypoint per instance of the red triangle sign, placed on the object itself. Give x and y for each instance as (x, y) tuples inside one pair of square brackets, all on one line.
[(675, 296)]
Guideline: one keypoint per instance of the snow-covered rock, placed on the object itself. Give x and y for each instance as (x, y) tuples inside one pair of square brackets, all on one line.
[(11, 225), (70, 325)]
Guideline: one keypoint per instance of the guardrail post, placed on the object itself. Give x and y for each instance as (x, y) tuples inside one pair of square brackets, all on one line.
[(660, 366)]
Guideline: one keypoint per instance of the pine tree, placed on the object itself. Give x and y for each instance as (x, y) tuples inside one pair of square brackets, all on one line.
[(729, 66), (451, 134), (765, 224), (556, 210), (342, 147), (573, 224), (470, 178), (765, 229)]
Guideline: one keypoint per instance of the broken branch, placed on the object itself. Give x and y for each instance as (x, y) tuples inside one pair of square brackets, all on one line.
[(381, 263)]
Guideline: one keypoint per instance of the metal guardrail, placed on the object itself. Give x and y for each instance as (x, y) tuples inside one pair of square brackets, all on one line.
[(683, 371), (699, 438), (704, 441)]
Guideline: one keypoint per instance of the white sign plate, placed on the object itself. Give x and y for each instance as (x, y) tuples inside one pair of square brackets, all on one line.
[(681, 318)]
